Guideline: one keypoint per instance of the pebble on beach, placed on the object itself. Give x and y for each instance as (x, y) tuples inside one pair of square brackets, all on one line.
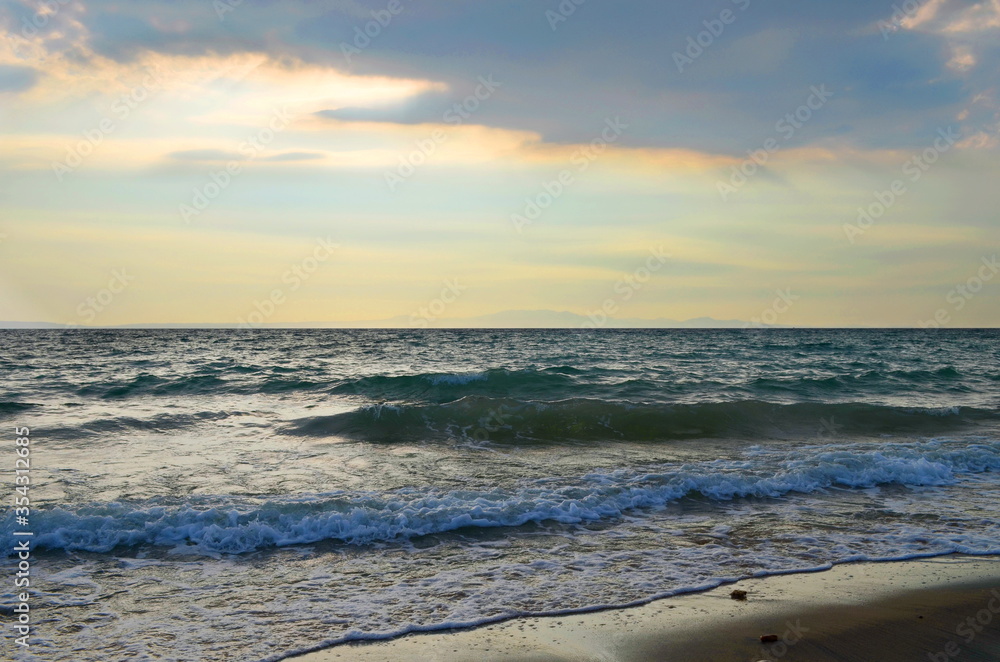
[(738, 595)]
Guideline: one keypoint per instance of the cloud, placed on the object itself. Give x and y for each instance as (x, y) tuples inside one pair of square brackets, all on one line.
[(955, 17), (205, 155), (296, 156), (961, 25), (602, 61), (962, 58), (427, 107), (17, 78)]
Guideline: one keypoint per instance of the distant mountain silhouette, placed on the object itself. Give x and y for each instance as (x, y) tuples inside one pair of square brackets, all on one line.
[(508, 319)]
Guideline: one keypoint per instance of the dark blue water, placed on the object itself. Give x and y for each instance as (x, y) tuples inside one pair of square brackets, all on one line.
[(242, 495)]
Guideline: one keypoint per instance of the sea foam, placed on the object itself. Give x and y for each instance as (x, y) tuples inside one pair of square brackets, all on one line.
[(214, 525)]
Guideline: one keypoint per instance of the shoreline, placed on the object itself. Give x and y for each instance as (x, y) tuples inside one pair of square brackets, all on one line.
[(854, 612)]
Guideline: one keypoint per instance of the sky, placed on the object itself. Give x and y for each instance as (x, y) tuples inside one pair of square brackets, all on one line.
[(282, 162)]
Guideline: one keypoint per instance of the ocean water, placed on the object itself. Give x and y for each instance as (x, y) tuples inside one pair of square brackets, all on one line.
[(246, 495)]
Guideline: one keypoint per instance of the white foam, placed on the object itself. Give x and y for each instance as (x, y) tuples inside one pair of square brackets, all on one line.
[(458, 379), (390, 590), (231, 527)]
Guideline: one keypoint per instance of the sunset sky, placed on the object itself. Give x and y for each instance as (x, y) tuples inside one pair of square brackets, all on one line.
[(300, 161)]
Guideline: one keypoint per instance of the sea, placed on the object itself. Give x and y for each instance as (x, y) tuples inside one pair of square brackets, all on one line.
[(246, 495)]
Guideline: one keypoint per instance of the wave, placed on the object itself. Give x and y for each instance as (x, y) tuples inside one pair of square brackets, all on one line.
[(566, 382), (147, 384), (920, 378), (12, 408), (219, 526), (541, 383), (440, 387), (159, 424), (506, 419), (235, 379), (445, 387)]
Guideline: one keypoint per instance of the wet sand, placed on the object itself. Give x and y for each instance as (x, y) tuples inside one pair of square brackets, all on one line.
[(939, 610)]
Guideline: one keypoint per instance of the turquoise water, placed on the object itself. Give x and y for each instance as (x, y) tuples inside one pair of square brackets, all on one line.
[(244, 495)]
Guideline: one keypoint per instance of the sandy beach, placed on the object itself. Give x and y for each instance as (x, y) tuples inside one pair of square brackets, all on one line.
[(940, 609)]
